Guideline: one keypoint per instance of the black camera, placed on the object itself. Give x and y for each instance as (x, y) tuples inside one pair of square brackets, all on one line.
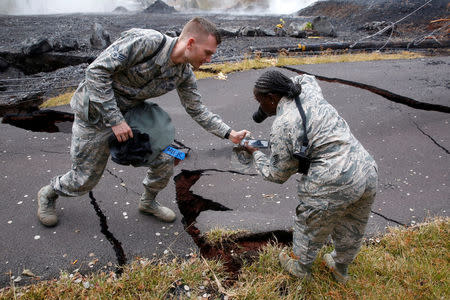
[(259, 115), (304, 161)]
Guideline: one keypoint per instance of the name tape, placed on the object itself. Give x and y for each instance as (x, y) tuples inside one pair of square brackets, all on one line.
[(175, 153)]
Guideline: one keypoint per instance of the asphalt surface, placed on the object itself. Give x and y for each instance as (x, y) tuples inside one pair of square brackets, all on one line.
[(410, 146)]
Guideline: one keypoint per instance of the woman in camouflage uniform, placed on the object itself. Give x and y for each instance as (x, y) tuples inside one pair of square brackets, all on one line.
[(336, 194)]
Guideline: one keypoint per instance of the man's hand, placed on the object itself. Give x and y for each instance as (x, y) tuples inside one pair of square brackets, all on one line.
[(236, 137), (122, 131)]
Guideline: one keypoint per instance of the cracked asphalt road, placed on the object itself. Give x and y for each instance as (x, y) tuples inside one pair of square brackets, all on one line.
[(410, 147)]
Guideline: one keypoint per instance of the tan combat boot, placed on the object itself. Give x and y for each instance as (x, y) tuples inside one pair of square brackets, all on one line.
[(293, 265), (47, 206), (148, 205), (339, 271)]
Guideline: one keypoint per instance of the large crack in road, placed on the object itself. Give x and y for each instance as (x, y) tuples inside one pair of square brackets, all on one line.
[(117, 246), (233, 251), (46, 120), (237, 248), (430, 137), (376, 90)]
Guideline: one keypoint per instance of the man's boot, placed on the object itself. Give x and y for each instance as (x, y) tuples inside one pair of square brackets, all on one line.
[(148, 205), (47, 206), (339, 270), (293, 265)]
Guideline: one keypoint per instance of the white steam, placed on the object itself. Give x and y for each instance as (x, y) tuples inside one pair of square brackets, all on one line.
[(36, 7), (288, 6)]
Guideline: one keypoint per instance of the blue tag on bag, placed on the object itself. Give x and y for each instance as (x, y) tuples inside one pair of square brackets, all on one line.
[(175, 153)]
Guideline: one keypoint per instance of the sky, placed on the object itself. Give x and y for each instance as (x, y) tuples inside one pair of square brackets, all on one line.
[(20, 7)]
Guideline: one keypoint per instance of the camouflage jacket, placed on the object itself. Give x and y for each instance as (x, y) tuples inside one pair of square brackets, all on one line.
[(122, 76), (338, 160)]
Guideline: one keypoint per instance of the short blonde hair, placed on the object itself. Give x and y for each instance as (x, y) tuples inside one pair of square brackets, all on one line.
[(200, 26)]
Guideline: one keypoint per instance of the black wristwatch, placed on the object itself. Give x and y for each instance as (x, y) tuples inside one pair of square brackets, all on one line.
[(227, 135)]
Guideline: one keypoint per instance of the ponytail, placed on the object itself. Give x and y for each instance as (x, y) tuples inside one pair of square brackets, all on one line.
[(277, 83)]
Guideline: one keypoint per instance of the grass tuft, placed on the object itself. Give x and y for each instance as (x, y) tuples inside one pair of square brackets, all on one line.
[(217, 236), (59, 100), (405, 263)]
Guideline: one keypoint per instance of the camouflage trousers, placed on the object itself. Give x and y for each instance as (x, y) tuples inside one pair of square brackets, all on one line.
[(89, 152), (343, 214)]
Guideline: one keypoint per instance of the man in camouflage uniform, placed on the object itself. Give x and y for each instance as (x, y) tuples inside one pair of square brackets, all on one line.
[(134, 68), (337, 193)]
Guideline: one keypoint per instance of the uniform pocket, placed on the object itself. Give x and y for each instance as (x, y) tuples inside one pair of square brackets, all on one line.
[(311, 213), (90, 113), (83, 108)]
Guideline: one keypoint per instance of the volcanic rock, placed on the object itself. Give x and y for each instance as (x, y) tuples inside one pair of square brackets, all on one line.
[(255, 31), (120, 10), (280, 31), (65, 44), (100, 38), (248, 31), (32, 46), (323, 26), (266, 32), (229, 32), (61, 70), (159, 7), (297, 29), (357, 12), (3, 65), (22, 103)]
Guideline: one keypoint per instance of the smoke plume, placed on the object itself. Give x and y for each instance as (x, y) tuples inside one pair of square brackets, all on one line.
[(37, 7)]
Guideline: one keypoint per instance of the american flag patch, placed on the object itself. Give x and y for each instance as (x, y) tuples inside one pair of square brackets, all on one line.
[(275, 160)]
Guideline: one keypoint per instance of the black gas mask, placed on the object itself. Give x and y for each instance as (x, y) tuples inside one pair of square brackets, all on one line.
[(259, 115)]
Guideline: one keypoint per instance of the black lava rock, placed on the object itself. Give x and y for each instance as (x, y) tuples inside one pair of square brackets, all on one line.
[(159, 7)]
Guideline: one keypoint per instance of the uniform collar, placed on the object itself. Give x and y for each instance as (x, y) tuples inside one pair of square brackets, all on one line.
[(163, 57), (282, 104)]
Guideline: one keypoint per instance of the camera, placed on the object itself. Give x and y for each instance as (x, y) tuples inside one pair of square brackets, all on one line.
[(255, 143), (304, 161), (259, 115)]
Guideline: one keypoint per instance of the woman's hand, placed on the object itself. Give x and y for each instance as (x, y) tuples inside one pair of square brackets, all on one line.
[(250, 148), (237, 136)]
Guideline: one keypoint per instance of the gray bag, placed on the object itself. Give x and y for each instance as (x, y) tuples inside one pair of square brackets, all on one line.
[(149, 119)]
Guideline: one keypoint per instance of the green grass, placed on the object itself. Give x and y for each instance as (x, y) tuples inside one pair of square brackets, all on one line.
[(213, 70), (217, 236), (406, 263), (411, 263)]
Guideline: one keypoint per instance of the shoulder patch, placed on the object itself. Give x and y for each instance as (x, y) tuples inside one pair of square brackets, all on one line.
[(116, 55)]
